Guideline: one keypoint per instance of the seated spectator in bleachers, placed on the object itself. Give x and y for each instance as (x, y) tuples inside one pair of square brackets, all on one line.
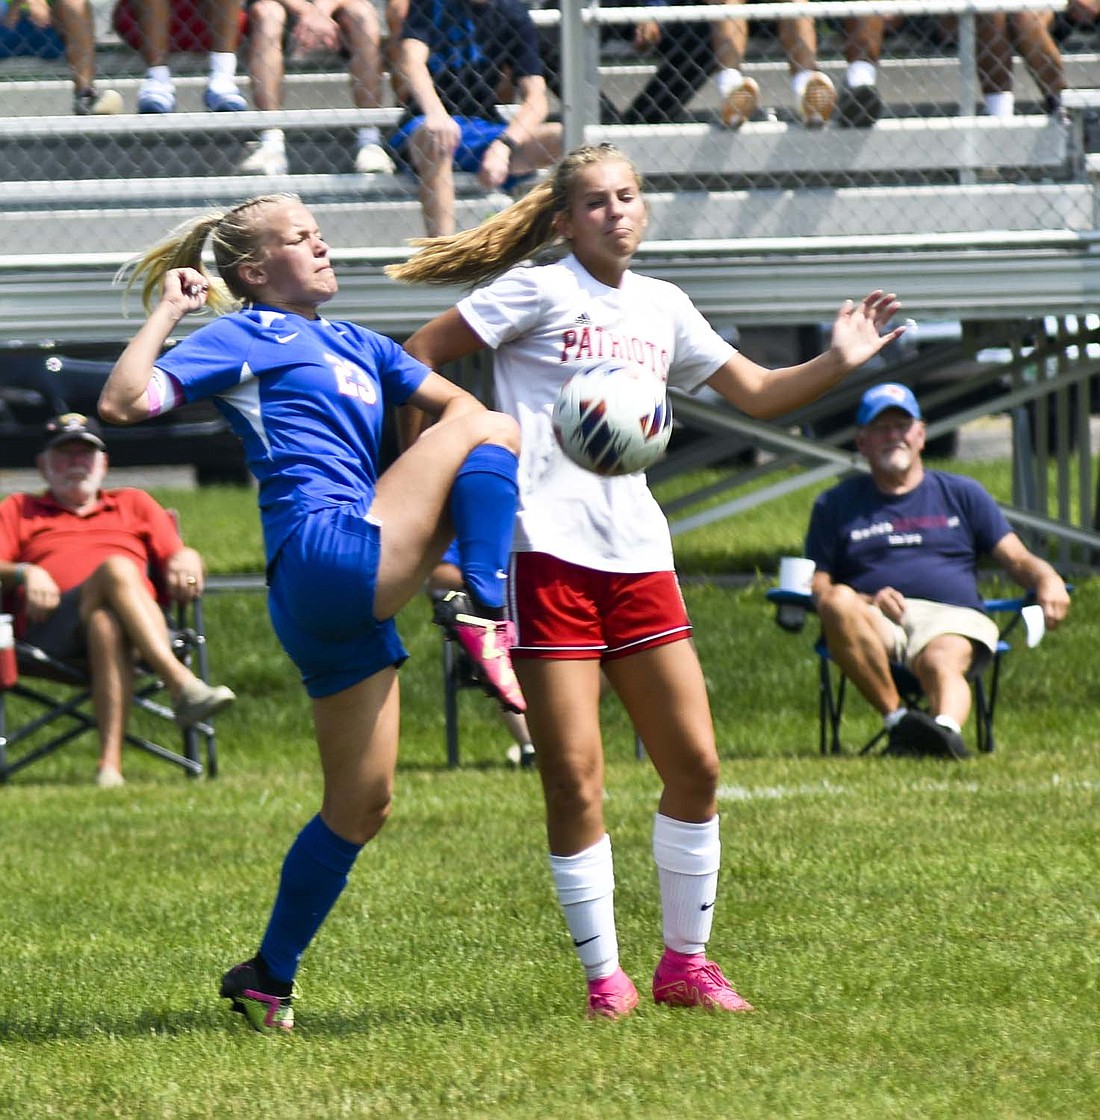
[(455, 58), (687, 53), (814, 93), (999, 34), (157, 28), (79, 557), (305, 28), (860, 103), (39, 29)]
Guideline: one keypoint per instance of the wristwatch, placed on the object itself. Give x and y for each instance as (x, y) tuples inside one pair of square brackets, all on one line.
[(508, 142)]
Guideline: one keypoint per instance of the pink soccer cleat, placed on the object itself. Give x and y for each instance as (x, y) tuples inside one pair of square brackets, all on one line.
[(487, 643), (683, 980), (611, 997)]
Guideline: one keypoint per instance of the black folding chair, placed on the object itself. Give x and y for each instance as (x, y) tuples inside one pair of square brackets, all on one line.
[(60, 692), (65, 711), (792, 608)]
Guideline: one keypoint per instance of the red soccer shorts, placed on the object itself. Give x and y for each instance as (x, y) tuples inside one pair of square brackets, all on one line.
[(565, 612)]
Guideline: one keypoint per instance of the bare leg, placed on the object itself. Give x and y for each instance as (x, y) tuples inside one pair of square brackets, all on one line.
[(563, 700), (395, 13), (728, 40), (357, 734), (153, 22), (411, 502), (799, 39), (225, 25), (863, 39), (858, 646), (75, 25), (1032, 38), (266, 66), (941, 668), (435, 171), (359, 24), (111, 661), (665, 694), (116, 585), (994, 53)]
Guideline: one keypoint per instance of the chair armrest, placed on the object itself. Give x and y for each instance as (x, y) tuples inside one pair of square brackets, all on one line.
[(791, 608)]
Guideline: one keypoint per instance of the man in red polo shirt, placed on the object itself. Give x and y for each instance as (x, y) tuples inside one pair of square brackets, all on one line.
[(80, 556)]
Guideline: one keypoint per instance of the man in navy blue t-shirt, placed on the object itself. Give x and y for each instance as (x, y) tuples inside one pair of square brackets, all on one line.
[(897, 555), (456, 58)]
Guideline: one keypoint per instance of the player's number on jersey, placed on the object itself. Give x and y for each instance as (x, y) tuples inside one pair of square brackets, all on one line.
[(351, 380)]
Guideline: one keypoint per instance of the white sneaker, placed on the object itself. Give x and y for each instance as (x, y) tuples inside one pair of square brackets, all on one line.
[(262, 160), (371, 159), (739, 104), (818, 100), (109, 779)]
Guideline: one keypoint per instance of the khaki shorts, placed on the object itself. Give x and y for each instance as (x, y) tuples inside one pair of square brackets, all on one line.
[(925, 620)]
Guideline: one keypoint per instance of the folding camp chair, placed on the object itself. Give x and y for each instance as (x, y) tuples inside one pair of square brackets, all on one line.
[(792, 607), (64, 711)]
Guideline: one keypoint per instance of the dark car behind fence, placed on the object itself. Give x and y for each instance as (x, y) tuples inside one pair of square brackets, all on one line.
[(38, 381)]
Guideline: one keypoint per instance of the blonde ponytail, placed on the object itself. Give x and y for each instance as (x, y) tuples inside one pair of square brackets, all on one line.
[(515, 234), (236, 238)]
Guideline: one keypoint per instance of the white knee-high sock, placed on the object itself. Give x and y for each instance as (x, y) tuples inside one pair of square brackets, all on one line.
[(688, 857), (585, 885)]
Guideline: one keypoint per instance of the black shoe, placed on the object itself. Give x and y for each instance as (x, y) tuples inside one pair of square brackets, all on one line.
[(918, 735), (265, 1011), (88, 103), (858, 107), (956, 748)]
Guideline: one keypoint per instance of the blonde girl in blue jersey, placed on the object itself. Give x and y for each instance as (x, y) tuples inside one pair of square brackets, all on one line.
[(348, 545)]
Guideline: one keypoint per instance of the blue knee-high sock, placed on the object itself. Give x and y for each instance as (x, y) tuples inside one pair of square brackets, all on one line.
[(483, 508), (315, 871)]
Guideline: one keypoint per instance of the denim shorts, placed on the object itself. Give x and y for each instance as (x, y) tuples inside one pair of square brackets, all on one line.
[(321, 601)]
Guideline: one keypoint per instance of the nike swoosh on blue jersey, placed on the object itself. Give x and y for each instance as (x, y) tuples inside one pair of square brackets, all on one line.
[(287, 337)]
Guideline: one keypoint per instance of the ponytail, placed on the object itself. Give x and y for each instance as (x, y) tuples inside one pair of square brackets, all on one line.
[(236, 238), (515, 234)]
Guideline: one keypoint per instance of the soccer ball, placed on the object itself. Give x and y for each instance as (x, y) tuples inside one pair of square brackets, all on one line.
[(612, 420)]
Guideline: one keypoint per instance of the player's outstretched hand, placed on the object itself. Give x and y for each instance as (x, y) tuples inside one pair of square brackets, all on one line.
[(858, 328)]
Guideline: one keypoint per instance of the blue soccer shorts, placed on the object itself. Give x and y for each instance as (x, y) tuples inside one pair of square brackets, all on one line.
[(321, 601)]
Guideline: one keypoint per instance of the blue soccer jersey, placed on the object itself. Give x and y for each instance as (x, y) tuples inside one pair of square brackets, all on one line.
[(925, 543), (307, 398)]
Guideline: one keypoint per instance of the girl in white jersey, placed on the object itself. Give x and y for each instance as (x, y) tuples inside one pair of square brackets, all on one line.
[(592, 575), (347, 543)]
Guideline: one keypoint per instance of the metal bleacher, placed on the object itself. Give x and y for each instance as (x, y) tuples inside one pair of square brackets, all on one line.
[(992, 223), (759, 226)]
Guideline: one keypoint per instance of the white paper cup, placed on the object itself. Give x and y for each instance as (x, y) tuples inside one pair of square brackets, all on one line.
[(1034, 623), (796, 573)]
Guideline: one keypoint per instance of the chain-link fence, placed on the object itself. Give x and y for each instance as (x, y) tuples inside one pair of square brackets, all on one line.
[(833, 119)]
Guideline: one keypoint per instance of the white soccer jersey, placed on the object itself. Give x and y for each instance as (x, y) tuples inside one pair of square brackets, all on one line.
[(546, 323)]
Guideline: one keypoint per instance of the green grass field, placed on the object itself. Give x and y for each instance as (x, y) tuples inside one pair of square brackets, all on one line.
[(921, 939)]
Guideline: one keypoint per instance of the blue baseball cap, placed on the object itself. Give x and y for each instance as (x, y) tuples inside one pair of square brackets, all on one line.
[(881, 397)]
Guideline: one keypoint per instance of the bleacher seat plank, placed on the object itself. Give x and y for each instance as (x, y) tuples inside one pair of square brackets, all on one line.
[(866, 212), (184, 124), (892, 146)]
